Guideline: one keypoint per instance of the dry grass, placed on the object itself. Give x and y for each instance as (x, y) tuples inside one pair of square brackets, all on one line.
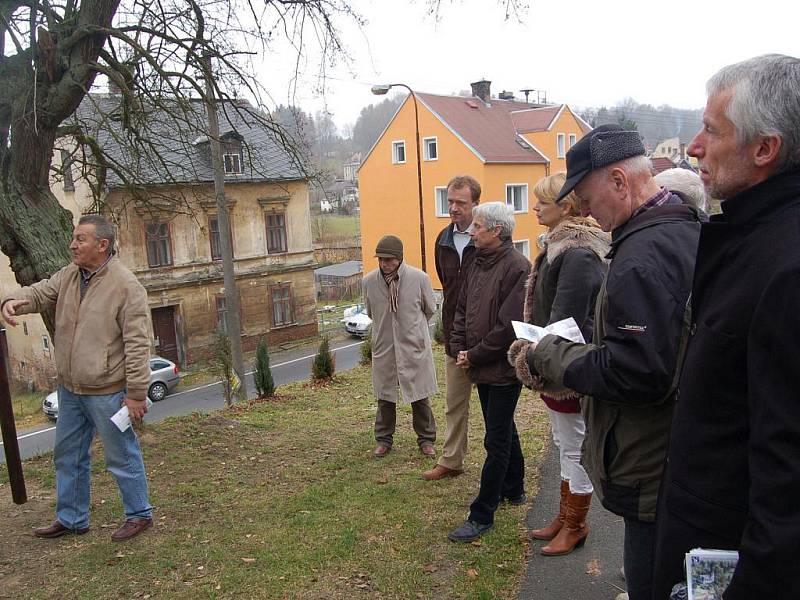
[(279, 499)]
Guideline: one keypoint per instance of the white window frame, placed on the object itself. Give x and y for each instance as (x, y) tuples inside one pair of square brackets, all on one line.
[(561, 145), (442, 210), (395, 145), (573, 139), (525, 247), (426, 151), (234, 161), (524, 208)]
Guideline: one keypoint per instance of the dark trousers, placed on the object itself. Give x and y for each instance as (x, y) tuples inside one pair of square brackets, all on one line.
[(637, 557), (422, 419), (503, 471)]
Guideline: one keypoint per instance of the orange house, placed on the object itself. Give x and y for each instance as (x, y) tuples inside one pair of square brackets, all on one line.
[(506, 144)]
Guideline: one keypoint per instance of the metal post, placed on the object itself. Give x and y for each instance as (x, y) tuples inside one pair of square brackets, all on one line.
[(419, 184), (10, 446)]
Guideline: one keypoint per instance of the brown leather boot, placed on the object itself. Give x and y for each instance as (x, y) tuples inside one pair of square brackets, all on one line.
[(549, 532), (575, 530)]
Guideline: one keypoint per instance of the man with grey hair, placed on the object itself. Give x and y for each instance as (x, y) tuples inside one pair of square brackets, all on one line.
[(491, 297), (733, 478), (102, 347), (627, 372), (686, 184)]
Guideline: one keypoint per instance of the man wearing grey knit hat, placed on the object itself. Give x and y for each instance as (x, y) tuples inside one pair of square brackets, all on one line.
[(400, 301), (627, 373)]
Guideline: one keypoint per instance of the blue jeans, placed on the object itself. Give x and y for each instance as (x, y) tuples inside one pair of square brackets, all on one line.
[(503, 471), (78, 419)]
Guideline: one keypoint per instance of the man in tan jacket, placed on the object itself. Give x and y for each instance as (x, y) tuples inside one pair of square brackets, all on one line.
[(102, 347), (400, 301)]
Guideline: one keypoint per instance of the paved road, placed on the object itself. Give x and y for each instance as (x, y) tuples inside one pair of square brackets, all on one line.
[(286, 367), (588, 573)]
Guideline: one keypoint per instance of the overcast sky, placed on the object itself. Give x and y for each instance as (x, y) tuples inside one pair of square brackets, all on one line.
[(582, 52)]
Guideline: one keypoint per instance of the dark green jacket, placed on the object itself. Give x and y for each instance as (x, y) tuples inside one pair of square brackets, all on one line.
[(629, 371)]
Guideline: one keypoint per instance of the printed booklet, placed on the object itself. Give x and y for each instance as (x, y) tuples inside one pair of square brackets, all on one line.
[(709, 572)]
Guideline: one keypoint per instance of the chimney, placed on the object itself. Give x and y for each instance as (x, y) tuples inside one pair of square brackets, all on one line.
[(481, 89), (504, 95), (683, 149)]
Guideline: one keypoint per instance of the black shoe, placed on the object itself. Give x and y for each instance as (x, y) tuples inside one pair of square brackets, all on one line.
[(469, 531), (517, 500)]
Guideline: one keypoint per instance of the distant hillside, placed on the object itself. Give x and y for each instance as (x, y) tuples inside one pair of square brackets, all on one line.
[(655, 124)]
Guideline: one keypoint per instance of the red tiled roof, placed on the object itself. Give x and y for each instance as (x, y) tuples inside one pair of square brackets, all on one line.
[(535, 119), (661, 163), (488, 130)]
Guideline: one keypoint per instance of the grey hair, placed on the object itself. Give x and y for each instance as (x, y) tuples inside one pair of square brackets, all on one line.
[(103, 229), (765, 101), (685, 182), (496, 214), (634, 166)]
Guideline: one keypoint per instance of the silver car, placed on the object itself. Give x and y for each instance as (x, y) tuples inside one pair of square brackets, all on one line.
[(164, 376)]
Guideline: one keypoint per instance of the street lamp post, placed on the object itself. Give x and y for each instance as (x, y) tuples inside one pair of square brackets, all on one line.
[(380, 90)]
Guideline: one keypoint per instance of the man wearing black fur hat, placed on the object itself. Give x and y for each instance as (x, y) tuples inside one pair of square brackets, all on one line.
[(627, 373)]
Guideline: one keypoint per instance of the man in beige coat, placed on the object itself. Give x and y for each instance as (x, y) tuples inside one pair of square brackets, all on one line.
[(102, 347), (400, 301)]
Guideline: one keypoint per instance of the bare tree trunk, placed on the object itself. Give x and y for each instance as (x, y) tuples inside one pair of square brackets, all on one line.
[(35, 232), (228, 268), (41, 88)]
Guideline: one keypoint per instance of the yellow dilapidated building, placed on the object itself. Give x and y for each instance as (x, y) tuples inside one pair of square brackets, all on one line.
[(168, 235)]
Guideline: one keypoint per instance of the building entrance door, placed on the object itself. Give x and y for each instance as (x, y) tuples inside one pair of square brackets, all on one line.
[(164, 331)]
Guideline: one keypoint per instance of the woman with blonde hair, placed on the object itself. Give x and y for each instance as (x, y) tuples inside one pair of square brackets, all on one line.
[(564, 281)]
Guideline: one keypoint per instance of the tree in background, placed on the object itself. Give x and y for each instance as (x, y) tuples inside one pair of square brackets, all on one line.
[(324, 365), (655, 124), (372, 120), (50, 55), (265, 384), (366, 350)]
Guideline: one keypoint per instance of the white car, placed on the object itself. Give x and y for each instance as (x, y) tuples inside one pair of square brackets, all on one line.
[(164, 376), (357, 325)]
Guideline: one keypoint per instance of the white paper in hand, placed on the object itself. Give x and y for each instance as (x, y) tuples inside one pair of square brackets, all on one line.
[(567, 329), (122, 419)]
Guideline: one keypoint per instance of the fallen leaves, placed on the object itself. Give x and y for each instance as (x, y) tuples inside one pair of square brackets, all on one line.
[(593, 567)]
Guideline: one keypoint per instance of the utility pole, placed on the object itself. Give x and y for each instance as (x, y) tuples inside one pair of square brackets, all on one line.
[(229, 276)]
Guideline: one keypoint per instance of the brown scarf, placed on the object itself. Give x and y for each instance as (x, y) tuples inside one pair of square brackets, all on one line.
[(391, 280)]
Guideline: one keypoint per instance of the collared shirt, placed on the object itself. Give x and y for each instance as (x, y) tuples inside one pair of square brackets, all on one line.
[(86, 277), (657, 200), (461, 239)]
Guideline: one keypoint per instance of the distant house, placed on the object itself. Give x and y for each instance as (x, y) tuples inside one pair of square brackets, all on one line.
[(350, 168), (339, 282), (169, 234), (671, 148), (661, 163), (506, 144)]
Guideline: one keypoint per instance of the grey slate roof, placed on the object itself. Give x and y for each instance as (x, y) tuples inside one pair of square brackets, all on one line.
[(345, 269), (170, 145)]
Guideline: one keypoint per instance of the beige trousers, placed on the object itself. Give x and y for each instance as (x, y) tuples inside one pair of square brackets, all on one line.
[(459, 391)]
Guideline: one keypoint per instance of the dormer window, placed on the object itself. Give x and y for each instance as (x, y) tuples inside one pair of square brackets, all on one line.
[(232, 159), (233, 163)]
